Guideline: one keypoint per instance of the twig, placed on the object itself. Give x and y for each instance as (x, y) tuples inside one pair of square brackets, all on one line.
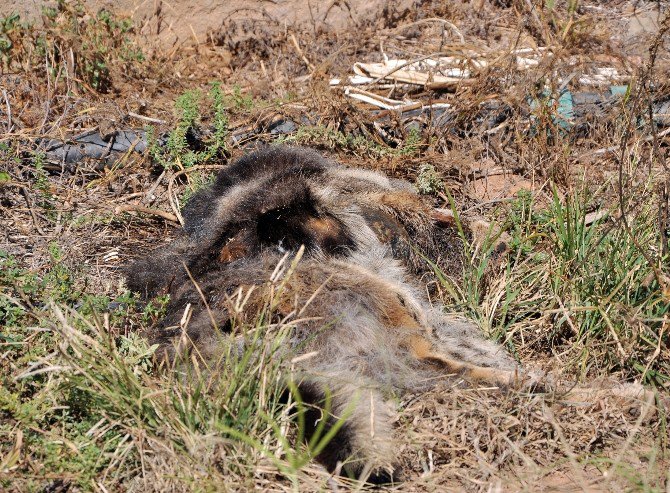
[(202, 296), (488, 202), (567, 314), (611, 149), (148, 196), (408, 107), (186, 318), (548, 415), (406, 64), (663, 215), (538, 23), (657, 351), (646, 406), (146, 118), (146, 210), (173, 203), (9, 111), (478, 174), (32, 212), (300, 52)]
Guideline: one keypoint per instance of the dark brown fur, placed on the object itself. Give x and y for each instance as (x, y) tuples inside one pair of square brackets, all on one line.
[(371, 325)]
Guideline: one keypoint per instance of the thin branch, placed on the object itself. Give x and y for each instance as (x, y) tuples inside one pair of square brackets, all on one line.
[(146, 210)]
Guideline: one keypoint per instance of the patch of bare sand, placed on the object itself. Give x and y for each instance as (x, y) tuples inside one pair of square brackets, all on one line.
[(180, 21)]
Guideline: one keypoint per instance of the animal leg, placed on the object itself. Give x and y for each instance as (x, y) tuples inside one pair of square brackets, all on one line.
[(423, 349), (364, 444)]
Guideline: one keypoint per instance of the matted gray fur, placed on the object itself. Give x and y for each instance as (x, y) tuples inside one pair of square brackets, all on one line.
[(373, 330)]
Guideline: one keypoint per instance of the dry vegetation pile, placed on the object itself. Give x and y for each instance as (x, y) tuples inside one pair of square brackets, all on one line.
[(583, 197)]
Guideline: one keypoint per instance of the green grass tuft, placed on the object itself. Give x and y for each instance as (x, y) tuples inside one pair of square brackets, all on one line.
[(582, 288), (89, 403)]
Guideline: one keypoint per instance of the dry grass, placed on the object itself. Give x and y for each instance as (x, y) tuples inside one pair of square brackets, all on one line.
[(82, 405)]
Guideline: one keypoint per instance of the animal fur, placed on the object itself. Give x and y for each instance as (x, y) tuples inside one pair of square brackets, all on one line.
[(371, 324)]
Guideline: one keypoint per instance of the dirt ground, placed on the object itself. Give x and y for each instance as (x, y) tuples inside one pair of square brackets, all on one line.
[(194, 22), (277, 63)]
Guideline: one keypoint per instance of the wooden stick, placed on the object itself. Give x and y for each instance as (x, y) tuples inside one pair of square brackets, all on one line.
[(146, 118), (302, 55), (146, 210)]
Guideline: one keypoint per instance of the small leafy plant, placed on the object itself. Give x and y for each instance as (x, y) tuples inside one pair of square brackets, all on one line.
[(72, 44), (183, 149), (336, 140), (428, 180)]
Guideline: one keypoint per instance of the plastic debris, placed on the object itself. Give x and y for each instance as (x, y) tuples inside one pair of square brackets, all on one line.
[(571, 111), (93, 145)]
